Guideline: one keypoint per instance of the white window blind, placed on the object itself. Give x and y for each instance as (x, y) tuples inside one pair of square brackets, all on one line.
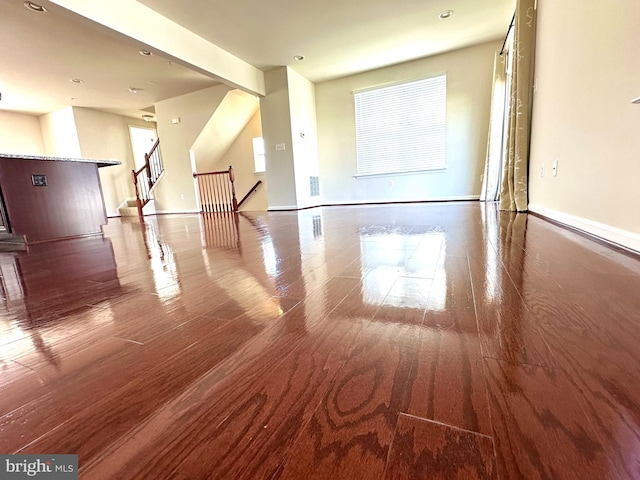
[(401, 128)]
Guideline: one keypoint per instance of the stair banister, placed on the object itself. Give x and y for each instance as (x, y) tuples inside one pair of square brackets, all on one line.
[(153, 169)]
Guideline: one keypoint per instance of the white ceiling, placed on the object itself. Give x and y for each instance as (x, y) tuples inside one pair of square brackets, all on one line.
[(338, 37), (40, 53)]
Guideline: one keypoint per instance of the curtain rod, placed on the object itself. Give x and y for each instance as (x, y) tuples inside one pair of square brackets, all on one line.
[(507, 35)]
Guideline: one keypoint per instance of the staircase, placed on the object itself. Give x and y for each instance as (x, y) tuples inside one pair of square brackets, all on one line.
[(144, 181), (129, 208), (217, 191)]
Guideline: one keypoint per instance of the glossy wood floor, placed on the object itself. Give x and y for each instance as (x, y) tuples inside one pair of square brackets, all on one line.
[(447, 341)]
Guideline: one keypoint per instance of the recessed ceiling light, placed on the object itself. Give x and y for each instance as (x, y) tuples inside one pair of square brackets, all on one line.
[(76, 80), (146, 53), (134, 89), (298, 58), (34, 7), (445, 14)]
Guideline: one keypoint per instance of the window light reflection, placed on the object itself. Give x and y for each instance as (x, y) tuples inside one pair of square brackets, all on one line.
[(269, 257), (387, 257), (163, 265)]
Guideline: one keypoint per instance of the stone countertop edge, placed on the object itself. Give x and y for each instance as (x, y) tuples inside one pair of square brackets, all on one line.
[(101, 163)]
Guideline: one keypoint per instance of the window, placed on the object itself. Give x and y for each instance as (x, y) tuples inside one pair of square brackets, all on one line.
[(401, 128), (258, 155)]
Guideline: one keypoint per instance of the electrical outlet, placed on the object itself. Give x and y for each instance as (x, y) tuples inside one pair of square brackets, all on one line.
[(554, 170), (542, 170), (390, 183)]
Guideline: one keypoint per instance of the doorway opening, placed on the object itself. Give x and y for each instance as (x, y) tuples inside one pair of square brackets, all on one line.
[(142, 139)]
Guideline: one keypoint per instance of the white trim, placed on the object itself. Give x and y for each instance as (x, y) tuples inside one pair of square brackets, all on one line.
[(615, 235), (168, 212), (394, 201), (283, 207)]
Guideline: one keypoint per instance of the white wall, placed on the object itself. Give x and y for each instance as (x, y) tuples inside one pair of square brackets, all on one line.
[(469, 75), (176, 191), (20, 134), (106, 136), (60, 134), (587, 72), (302, 102)]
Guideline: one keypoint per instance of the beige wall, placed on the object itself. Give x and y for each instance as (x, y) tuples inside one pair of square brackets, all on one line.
[(60, 134), (240, 156), (276, 128), (176, 192), (20, 134), (302, 102), (106, 136), (222, 129), (469, 75), (587, 72)]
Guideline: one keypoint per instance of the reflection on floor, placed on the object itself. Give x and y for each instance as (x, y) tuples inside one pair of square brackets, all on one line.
[(407, 341)]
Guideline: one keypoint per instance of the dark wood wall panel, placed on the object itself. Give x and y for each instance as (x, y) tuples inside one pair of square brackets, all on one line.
[(71, 203)]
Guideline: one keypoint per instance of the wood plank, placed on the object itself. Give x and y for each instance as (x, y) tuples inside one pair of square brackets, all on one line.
[(503, 325), (425, 449), (352, 428), (96, 426), (234, 384), (449, 385), (608, 382), (539, 429)]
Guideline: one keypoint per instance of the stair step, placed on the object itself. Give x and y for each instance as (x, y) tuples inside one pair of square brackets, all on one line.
[(128, 211), (129, 208)]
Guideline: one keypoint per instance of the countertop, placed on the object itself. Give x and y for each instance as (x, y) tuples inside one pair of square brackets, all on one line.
[(100, 163)]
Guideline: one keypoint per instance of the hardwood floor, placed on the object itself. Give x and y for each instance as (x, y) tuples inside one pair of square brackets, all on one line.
[(383, 342)]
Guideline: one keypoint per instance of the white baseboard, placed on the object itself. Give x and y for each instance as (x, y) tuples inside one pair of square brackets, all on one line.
[(169, 212), (615, 235), (283, 207), (459, 198)]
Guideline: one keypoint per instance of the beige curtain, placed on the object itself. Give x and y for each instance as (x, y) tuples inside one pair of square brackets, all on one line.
[(495, 145), (513, 194)]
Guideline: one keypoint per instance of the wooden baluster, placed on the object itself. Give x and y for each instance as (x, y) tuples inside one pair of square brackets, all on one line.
[(216, 194), (224, 182), (148, 170), (135, 184), (232, 177)]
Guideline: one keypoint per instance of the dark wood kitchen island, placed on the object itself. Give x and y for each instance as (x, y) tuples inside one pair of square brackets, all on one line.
[(51, 198)]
